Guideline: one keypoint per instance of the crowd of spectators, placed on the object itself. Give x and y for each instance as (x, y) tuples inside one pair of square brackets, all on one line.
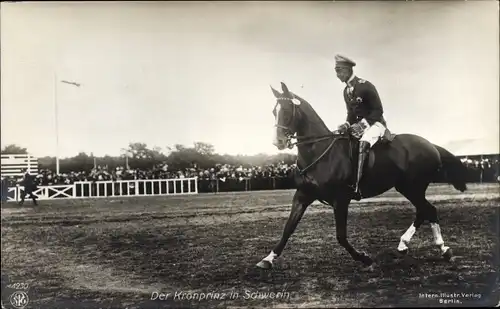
[(103, 173), (484, 170), (479, 171)]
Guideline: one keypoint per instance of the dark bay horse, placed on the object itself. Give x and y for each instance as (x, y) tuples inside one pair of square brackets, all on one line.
[(408, 163)]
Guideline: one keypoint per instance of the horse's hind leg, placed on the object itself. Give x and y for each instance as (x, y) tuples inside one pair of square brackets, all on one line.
[(436, 231), (425, 211), (419, 218), (405, 239)]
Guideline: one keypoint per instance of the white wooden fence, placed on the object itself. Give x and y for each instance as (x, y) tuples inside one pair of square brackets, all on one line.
[(103, 189)]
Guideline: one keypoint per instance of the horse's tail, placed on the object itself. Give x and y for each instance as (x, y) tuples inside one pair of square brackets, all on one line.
[(453, 171)]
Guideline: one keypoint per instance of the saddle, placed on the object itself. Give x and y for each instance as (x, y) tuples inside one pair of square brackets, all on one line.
[(387, 138)]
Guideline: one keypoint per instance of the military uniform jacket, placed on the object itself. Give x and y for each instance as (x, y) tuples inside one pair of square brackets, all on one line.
[(363, 101)]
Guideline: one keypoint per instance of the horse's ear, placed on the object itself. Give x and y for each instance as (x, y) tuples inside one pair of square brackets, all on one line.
[(284, 88), (275, 92)]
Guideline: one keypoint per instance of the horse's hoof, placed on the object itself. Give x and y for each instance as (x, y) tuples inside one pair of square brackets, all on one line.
[(370, 268), (403, 252), (448, 255), (264, 264), (365, 259)]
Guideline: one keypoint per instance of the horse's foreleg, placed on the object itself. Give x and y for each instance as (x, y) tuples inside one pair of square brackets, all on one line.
[(299, 206), (341, 211)]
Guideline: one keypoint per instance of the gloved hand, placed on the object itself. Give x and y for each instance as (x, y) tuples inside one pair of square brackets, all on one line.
[(357, 129), (343, 128)]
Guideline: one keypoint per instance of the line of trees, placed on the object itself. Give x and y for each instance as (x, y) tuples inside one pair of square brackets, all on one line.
[(139, 155)]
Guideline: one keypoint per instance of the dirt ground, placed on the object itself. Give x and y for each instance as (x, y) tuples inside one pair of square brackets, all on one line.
[(201, 251)]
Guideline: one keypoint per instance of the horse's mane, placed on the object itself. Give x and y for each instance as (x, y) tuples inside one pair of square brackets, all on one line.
[(311, 114)]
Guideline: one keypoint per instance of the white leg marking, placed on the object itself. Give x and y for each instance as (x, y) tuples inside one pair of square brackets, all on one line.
[(406, 237), (270, 258), (438, 238)]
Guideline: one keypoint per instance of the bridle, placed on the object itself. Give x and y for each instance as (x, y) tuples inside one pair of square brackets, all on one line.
[(335, 135)]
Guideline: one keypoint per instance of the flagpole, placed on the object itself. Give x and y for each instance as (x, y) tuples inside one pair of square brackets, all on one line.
[(29, 163), (56, 116)]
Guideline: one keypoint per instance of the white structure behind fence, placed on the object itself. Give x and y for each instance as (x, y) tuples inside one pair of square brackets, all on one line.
[(119, 188), (13, 164)]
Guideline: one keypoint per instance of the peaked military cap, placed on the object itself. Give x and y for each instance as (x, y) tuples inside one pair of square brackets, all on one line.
[(342, 61)]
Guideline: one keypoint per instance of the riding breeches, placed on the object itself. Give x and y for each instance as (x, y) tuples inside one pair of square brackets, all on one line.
[(373, 133)]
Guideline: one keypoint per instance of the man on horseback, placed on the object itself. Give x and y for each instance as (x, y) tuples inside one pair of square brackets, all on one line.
[(364, 112)]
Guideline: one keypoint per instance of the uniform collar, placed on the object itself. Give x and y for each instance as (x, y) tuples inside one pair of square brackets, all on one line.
[(349, 82)]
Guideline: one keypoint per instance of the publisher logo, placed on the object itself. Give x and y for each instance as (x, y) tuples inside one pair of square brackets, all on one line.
[(19, 299)]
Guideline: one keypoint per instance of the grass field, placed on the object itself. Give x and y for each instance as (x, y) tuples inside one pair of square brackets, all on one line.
[(119, 253)]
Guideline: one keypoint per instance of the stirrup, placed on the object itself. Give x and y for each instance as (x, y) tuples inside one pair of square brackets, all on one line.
[(352, 187), (357, 195)]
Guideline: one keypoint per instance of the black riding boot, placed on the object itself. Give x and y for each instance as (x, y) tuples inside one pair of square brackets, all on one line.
[(364, 149)]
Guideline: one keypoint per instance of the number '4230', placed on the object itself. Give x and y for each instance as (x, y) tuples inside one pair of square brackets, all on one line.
[(19, 286)]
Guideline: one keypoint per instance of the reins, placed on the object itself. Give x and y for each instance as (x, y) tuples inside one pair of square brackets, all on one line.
[(315, 139), (309, 139)]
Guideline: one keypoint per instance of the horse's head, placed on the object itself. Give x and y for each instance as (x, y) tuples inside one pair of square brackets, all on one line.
[(287, 116)]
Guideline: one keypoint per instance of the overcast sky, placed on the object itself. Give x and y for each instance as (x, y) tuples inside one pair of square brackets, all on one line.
[(167, 73)]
